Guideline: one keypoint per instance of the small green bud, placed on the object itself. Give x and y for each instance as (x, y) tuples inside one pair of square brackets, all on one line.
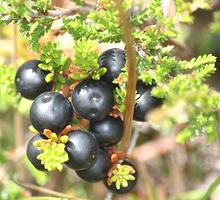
[(96, 77), (79, 76), (64, 139), (59, 167), (54, 137), (124, 183), (101, 71), (48, 60), (49, 77), (32, 129), (37, 143), (118, 185)]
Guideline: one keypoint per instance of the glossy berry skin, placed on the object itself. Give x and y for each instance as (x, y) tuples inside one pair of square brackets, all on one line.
[(30, 80), (108, 131), (114, 60), (98, 171), (123, 190), (82, 149), (51, 110), (32, 152), (92, 99), (146, 102)]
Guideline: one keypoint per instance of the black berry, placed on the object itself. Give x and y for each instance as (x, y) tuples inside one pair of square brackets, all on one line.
[(30, 80), (82, 149), (32, 152), (114, 60), (51, 110), (131, 183), (98, 171), (92, 100), (146, 102), (108, 131)]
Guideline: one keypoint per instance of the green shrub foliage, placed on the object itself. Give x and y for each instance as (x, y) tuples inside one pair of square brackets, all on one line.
[(189, 101)]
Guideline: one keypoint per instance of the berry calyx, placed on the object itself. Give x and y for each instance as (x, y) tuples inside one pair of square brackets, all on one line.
[(51, 110), (30, 80), (116, 156), (82, 149), (108, 131), (53, 151), (122, 178), (92, 99)]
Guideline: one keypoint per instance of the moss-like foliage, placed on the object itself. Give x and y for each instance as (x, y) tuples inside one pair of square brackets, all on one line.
[(121, 175), (54, 154)]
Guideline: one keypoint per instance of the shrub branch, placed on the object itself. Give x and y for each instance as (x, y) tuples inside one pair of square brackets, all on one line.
[(131, 69)]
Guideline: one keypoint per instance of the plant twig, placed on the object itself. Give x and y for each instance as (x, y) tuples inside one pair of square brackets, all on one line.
[(60, 12), (133, 141), (131, 69), (56, 13), (211, 188), (144, 177), (108, 196), (46, 191)]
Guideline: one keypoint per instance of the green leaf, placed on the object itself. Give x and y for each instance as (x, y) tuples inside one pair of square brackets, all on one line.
[(79, 76), (61, 79), (96, 77), (49, 77), (54, 60), (42, 26), (184, 136), (42, 5), (118, 185), (86, 55), (67, 63), (101, 71), (32, 129)]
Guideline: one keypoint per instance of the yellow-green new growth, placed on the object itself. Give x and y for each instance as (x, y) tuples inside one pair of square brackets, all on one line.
[(53, 152), (32, 129), (121, 175)]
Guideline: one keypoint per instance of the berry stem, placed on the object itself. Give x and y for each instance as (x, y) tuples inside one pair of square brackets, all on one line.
[(131, 70), (66, 130), (47, 132)]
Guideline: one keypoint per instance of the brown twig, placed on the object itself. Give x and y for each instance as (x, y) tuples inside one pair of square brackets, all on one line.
[(60, 12), (46, 191), (131, 69), (145, 179), (56, 13), (131, 84)]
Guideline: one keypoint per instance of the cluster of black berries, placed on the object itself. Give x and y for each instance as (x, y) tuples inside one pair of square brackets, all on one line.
[(89, 151)]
